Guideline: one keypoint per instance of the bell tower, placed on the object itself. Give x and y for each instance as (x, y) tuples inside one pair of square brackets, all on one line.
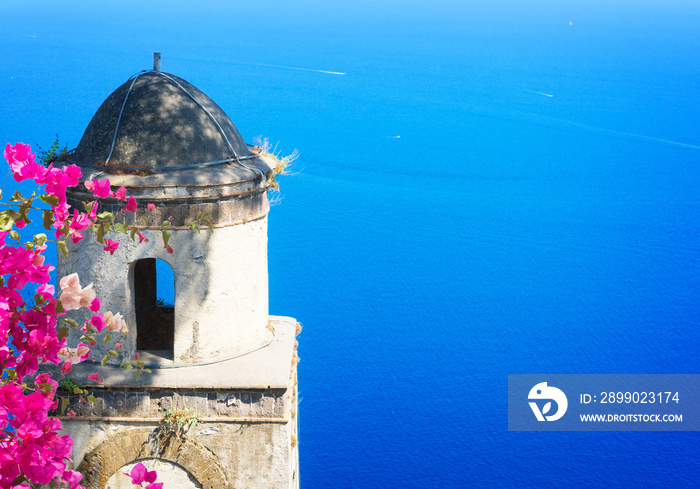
[(215, 351)]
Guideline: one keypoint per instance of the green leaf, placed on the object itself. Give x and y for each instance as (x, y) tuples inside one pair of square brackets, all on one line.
[(104, 360), (105, 216), (77, 390), (100, 233), (64, 404), (166, 238), (112, 352), (49, 219), (133, 233), (147, 370), (17, 197), (122, 228), (92, 399), (59, 307), (15, 235), (6, 221), (62, 246), (49, 199), (24, 213), (127, 367), (39, 239), (63, 332), (11, 374), (65, 229), (107, 339), (138, 374), (72, 322)]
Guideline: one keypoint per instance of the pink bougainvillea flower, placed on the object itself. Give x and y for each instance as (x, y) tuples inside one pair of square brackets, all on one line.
[(66, 367), (95, 305), (99, 187), (121, 193), (93, 209), (46, 291), (140, 474), (72, 295), (111, 246), (142, 237), (87, 296), (169, 249), (18, 152), (77, 237), (97, 320), (74, 355), (80, 222), (136, 356), (22, 163), (102, 189), (115, 322), (117, 346), (131, 204), (70, 300), (70, 281), (151, 207), (95, 377)]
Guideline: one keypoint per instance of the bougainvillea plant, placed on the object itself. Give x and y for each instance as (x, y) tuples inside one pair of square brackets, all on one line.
[(33, 332)]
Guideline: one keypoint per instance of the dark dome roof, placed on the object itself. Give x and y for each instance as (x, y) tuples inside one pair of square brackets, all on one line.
[(163, 126)]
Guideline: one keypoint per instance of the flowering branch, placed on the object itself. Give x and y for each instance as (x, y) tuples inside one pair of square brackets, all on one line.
[(31, 449)]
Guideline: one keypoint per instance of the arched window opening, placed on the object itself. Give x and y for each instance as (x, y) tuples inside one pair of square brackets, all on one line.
[(154, 292)]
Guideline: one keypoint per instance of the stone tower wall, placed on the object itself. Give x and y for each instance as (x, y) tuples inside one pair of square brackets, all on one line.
[(221, 280)]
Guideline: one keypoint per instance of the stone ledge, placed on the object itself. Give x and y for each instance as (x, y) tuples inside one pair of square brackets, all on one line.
[(152, 403), (267, 368)]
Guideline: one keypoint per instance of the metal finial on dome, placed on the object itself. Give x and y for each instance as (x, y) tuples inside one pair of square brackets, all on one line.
[(156, 61)]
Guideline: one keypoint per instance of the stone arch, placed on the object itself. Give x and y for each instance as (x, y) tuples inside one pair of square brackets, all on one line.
[(130, 445)]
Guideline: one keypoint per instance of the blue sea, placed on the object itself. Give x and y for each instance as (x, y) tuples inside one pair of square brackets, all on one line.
[(485, 188)]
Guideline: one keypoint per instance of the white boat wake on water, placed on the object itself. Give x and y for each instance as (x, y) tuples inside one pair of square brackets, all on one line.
[(630, 135), (296, 68), (617, 134), (539, 93)]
